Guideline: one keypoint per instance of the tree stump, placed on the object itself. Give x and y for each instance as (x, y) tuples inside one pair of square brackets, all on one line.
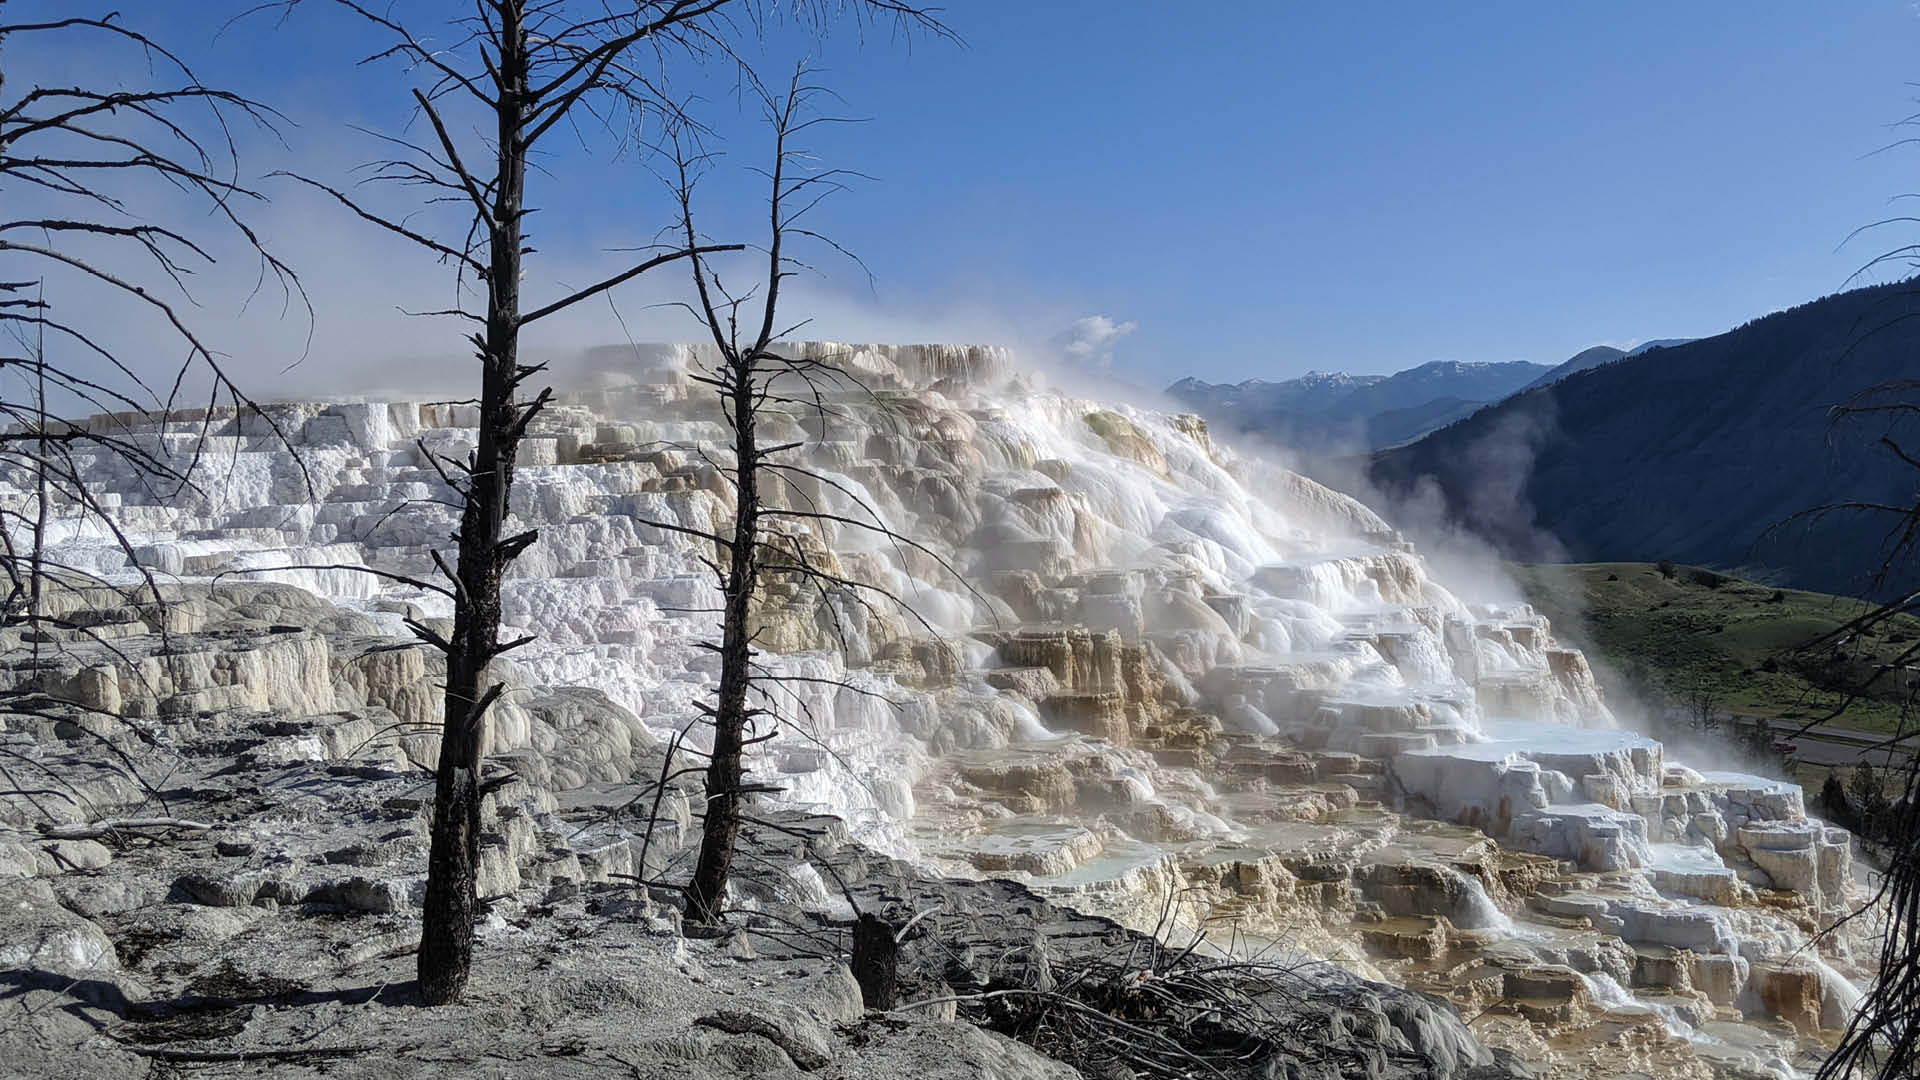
[(876, 961)]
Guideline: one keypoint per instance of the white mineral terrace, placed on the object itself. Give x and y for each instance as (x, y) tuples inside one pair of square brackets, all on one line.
[(1167, 679)]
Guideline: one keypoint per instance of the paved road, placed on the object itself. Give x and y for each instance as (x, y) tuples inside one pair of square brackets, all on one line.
[(1830, 744), (1817, 751)]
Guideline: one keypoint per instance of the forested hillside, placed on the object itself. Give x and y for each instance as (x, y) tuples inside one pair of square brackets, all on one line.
[(1700, 453)]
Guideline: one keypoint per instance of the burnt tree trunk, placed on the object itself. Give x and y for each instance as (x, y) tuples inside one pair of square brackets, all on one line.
[(706, 894), (876, 961), (446, 938)]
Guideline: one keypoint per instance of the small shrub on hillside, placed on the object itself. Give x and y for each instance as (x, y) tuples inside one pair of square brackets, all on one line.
[(1834, 802), (1868, 799)]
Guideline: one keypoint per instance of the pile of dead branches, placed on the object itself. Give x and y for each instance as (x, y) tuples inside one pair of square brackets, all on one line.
[(1152, 1010)]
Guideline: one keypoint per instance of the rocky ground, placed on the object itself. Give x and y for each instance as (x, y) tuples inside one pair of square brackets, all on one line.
[(249, 908)]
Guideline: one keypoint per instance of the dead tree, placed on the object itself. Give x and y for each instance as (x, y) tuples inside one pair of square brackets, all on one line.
[(876, 961), (519, 71), (752, 373), (1702, 697), (92, 241), (85, 243), (1882, 1039)]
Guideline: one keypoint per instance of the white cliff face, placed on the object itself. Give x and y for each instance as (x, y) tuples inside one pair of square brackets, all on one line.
[(1139, 665)]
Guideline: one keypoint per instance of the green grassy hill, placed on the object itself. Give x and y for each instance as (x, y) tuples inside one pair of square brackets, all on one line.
[(1677, 631)]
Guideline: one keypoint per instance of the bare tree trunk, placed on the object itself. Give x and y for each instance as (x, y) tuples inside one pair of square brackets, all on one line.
[(446, 938), (706, 894), (876, 961), (745, 378), (37, 572)]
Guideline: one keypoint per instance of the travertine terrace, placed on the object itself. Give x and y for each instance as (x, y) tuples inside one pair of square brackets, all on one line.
[(1170, 684)]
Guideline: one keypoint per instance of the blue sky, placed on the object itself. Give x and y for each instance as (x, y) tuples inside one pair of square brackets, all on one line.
[(1263, 188)]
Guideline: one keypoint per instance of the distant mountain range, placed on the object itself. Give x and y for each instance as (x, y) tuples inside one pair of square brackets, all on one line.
[(1692, 450), (1326, 412), (1332, 412)]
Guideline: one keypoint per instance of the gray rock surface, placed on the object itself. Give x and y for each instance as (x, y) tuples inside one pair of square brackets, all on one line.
[(260, 919)]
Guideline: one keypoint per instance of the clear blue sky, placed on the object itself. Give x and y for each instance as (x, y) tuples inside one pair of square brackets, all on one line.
[(1269, 187)]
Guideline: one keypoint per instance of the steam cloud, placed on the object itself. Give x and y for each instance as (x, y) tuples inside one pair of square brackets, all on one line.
[(1090, 340)]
